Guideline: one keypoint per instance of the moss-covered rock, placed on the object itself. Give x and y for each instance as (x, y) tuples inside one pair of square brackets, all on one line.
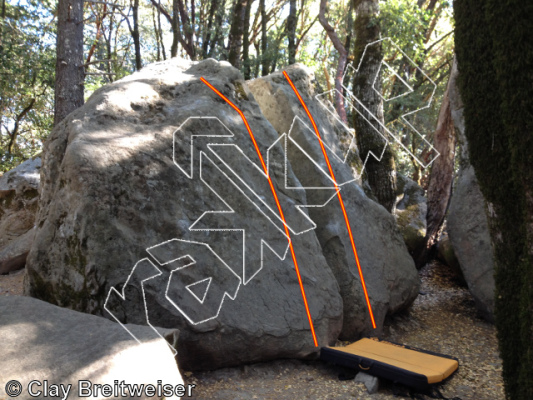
[(410, 212)]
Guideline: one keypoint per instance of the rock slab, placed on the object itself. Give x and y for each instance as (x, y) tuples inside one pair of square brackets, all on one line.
[(42, 342)]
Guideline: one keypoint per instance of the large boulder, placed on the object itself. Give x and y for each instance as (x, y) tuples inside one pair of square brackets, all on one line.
[(19, 196), (467, 223), (155, 209), (410, 212), (124, 179), (391, 278), (42, 342)]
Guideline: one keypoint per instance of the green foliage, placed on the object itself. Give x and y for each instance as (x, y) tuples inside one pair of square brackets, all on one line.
[(495, 57), (27, 60), (425, 61), (28, 37)]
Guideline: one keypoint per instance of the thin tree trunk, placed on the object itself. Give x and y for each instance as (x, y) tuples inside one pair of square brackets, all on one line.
[(175, 29), (441, 177), (70, 74), (381, 174), (156, 33), (246, 40), (218, 27), (276, 51), (264, 39), (291, 32), (135, 35), (160, 32), (343, 55), (210, 20), (236, 31), (14, 133)]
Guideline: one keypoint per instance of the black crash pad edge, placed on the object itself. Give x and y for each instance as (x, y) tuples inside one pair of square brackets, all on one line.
[(380, 369)]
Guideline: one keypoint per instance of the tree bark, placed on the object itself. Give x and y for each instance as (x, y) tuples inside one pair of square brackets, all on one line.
[(291, 32), (441, 177), (210, 20), (495, 60), (69, 85), (246, 40), (343, 56), (160, 32), (264, 39), (236, 31), (175, 29), (218, 27), (381, 174), (136, 35)]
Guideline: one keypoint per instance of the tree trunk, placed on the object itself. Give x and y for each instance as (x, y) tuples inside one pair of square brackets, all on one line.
[(175, 29), (291, 32), (343, 56), (441, 177), (264, 39), (160, 32), (235, 36), (135, 35), (246, 40), (381, 174), (69, 85), (207, 36), (495, 60), (218, 27)]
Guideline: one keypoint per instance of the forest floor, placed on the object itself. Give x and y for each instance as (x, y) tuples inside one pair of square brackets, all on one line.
[(443, 320)]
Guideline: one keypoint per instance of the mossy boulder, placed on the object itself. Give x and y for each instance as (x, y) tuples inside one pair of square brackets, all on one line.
[(410, 212)]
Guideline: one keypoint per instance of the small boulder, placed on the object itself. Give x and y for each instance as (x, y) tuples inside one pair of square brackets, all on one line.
[(371, 382), (410, 212)]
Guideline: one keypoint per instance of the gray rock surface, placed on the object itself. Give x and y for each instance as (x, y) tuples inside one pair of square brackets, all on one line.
[(410, 212), (389, 272), (469, 235), (116, 182), (446, 254), (371, 382), (42, 342), (467, 224), (19, 195)]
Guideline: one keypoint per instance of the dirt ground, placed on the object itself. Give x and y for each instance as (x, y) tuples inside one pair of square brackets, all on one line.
[(442, 319)]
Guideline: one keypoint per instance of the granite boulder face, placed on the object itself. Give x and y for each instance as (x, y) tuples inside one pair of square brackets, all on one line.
[(390, 276), (132, 182), (467, 225), (19, 196), (155, 209), (41, 342)]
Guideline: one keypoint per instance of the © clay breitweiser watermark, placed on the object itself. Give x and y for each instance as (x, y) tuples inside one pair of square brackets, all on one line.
[(199, 293), (85, 388)]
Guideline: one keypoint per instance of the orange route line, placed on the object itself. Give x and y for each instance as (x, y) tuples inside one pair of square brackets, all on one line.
[(277, 203), (340, 200)]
